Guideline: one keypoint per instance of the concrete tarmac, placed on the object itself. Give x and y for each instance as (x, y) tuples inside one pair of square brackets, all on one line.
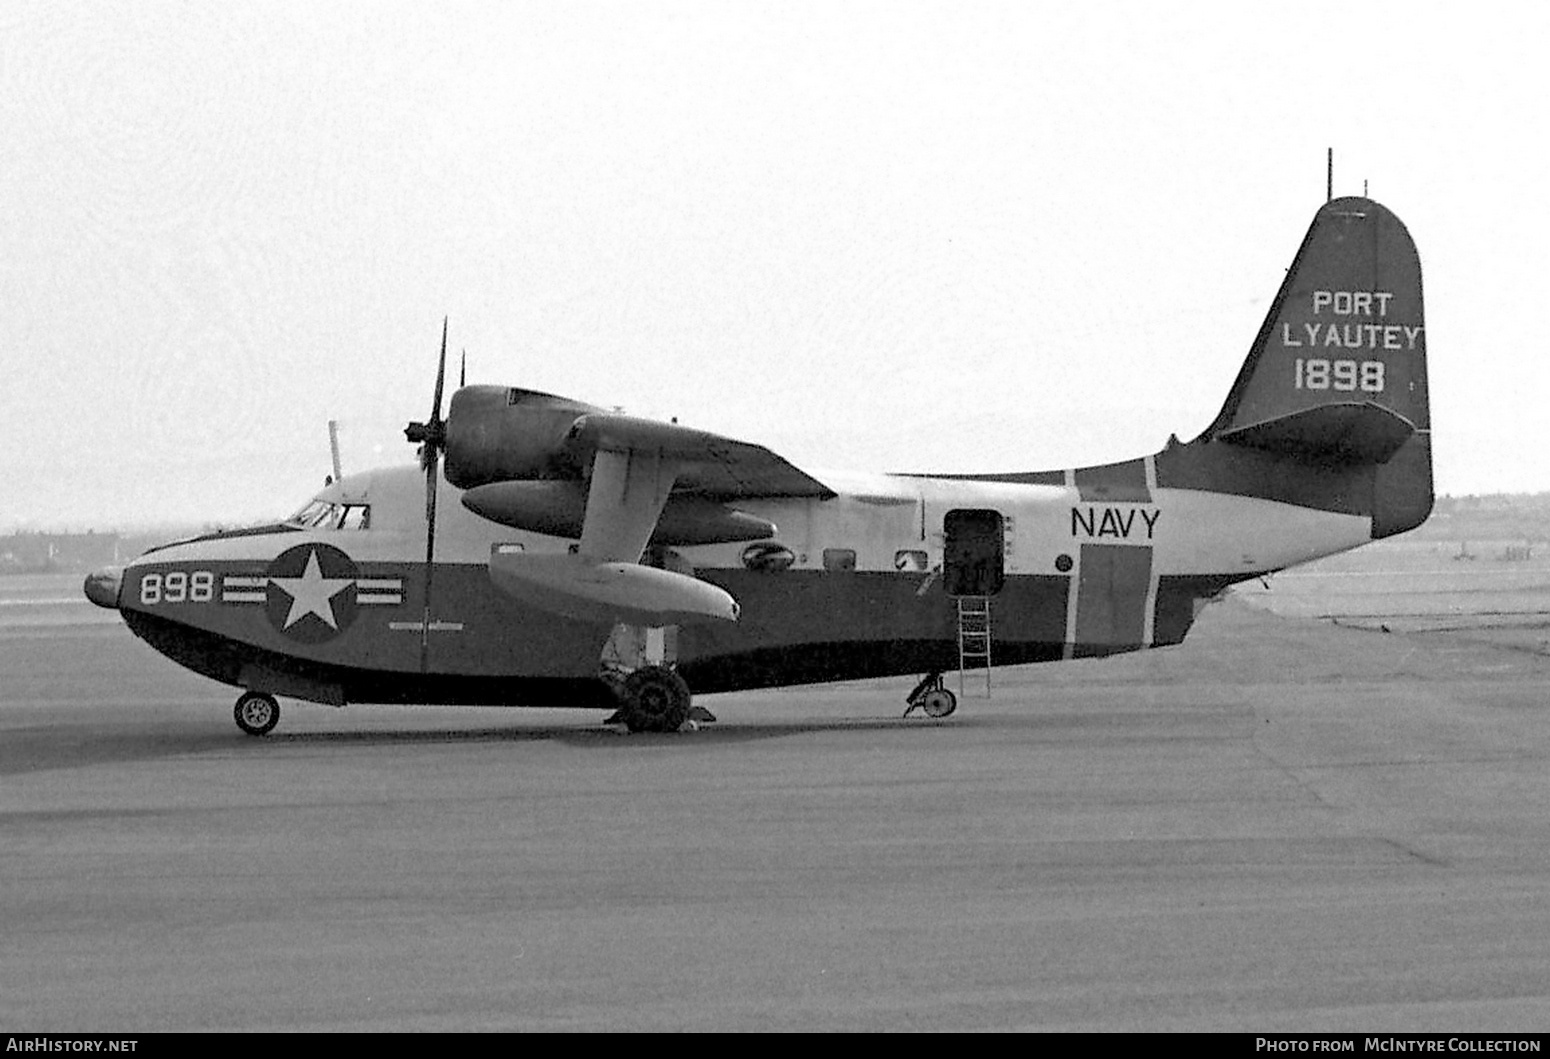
[(1282, 825)]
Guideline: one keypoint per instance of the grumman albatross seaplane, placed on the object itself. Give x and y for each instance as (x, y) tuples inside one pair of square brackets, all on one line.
[(573, 556)]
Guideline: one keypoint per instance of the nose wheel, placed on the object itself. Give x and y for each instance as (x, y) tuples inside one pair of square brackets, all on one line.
[(257, 713)]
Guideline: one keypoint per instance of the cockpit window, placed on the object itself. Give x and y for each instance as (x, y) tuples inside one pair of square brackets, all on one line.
[(313, 514), (320, 514)]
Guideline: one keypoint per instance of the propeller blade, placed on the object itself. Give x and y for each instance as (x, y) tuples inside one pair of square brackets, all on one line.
[(430, 493), (430, 556), (441, 374), (434, 433), (431, 436)]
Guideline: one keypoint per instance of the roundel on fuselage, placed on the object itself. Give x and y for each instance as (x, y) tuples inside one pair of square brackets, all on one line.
[(310, 595)]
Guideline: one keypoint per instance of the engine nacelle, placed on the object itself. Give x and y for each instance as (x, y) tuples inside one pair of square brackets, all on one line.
[(558, 508), (505, 434)]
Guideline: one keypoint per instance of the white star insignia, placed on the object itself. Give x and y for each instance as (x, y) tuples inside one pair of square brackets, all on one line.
[(312, 593)]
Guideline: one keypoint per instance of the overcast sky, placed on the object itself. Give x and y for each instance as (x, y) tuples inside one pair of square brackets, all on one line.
[(956, 236)]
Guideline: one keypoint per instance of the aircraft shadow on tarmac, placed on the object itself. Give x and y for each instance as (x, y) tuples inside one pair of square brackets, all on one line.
[(45, 747), (607, 736)]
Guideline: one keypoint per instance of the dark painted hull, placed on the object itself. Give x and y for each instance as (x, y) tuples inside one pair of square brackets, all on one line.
[(798, 627), (229, 660)]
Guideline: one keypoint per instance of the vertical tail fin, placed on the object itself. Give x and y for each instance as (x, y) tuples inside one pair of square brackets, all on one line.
[(1337, 375)]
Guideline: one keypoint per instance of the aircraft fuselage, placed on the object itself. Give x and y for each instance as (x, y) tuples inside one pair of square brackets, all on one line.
[(1079, 568)]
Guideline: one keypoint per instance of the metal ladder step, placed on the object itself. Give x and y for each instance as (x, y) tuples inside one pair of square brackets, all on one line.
[(973, 640)]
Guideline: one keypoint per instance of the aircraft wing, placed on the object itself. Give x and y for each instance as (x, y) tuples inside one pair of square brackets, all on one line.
[(550, 465), (709, 465)]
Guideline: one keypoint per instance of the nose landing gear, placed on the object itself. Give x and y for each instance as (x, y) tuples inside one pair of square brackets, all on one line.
[(257, 713)]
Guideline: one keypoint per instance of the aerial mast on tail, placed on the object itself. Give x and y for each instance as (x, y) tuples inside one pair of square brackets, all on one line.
[(1329, 177)]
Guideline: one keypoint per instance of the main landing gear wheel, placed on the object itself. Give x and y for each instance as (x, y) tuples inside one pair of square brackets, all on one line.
[(257, 713), (656, 699)]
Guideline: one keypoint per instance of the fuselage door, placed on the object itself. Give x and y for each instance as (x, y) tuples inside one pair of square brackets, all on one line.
[(973, 552)]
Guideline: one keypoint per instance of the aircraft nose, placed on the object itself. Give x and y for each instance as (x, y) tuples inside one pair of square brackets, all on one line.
[(103, 585)]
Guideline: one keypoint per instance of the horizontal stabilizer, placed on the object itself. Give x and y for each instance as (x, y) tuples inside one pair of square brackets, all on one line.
[(1351, 434)]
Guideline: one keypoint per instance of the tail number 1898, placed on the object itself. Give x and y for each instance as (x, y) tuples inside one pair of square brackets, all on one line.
[(1345, 375)]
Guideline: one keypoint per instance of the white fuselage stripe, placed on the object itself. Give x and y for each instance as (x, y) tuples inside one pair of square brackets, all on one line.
[(1149, 616), (1073, 590)]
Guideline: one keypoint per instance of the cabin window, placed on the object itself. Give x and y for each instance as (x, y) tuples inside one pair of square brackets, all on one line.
[(911, 560), (839, 559), (355, 517)]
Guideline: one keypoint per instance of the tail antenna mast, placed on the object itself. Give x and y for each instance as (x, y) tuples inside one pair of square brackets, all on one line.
[(1329, 175)]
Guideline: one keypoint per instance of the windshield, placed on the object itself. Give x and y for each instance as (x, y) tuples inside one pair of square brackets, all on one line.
[(321, 514)]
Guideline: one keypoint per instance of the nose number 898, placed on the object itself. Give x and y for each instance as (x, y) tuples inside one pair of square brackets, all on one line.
[(177, 586)]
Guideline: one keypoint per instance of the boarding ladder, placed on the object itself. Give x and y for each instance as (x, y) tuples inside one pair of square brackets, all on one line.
[(973, 640)]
